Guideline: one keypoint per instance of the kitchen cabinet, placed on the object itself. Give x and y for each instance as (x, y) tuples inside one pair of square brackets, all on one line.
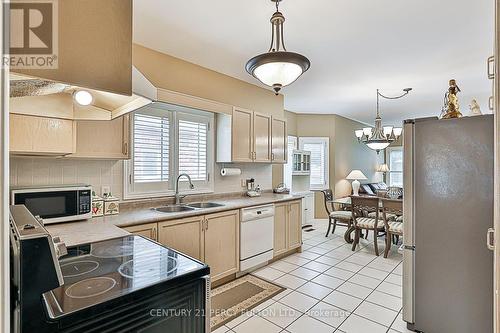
[(242, 135), (149, 230), (246, 136), (32, 135), (301, 164), (287, 226), (222, 233), (279, 141), (106, 139), (185, 235), (261, 138), (213, 239)]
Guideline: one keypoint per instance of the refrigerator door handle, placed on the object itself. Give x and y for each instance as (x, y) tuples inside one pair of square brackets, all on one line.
[(490, 239)]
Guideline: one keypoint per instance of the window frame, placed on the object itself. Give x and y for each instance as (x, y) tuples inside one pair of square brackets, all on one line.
[(388, 151), (175, 113), (326, 172)]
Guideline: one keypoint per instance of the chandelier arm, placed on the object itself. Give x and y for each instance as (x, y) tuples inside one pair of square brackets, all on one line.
[(272, 38), (389, 97), (282, 38)]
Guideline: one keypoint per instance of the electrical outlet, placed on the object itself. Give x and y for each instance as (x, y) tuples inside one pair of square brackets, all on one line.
[(105, 190), (243, 182)]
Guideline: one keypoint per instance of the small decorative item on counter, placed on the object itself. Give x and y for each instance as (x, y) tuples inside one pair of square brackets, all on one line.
[(254, 192), (111, 205), (281, 189), (451, 107), (475, 109), (97, 205), (394, 192)]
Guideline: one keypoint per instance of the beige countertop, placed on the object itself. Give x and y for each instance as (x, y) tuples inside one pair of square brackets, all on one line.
[(106, 227)]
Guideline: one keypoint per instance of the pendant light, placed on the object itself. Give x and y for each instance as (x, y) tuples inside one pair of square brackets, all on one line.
[(277, 68), (380, 137)]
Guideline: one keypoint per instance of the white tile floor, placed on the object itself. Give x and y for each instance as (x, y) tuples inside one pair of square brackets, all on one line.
[(330, 289)]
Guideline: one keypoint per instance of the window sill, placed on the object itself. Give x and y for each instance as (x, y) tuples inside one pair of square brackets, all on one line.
[(164, 194)]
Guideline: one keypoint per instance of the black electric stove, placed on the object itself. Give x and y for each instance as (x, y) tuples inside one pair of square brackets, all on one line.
[(127, 284), (99, 272)]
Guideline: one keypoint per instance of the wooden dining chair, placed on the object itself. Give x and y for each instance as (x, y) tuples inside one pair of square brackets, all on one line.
[(342, 217), (393, 228), (361, 207)]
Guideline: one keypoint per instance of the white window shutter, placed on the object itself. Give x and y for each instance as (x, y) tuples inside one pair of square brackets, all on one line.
[(151, 148), (193, 146)]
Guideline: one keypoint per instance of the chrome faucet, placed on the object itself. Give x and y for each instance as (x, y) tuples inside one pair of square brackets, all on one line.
[(177, 196)]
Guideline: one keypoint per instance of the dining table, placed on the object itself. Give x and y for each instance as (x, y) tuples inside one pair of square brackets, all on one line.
[(345, 202)]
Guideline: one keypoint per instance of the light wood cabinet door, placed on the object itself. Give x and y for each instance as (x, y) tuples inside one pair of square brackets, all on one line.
[(242, 135), (185, 235), (280, 228), (222, 234), (149, 230), (261, 137), (278, 141), (107, 139), (294, 224), (31, 135)]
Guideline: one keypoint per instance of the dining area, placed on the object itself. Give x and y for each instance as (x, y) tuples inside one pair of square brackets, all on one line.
[(366, 216)]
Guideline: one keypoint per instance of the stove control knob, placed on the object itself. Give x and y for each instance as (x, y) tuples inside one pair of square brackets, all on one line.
[(61, 249)]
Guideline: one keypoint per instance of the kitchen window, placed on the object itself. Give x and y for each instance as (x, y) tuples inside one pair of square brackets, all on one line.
[(319, 148), (395, 161), (167, 141)]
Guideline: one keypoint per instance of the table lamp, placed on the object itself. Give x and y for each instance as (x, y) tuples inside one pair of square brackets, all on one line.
[(356, 176), (383, 168)]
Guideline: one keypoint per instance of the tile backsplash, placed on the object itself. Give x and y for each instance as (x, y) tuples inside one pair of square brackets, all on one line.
[(53, 171), (26, 171)]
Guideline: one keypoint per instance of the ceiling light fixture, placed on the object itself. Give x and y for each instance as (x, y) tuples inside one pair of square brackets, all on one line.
[(277, 68), (83, 97), (380, 137)]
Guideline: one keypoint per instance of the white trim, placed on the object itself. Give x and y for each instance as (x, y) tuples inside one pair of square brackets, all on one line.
[(4, 184), (388, 151), (175, 113), (326, 142)]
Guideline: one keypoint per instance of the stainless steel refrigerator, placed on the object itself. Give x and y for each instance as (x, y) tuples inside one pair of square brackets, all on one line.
[(448, 208)]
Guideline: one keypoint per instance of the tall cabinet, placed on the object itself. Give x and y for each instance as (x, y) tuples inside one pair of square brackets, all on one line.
[(287, 226)]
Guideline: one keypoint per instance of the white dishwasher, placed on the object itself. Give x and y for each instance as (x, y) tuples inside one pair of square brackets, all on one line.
[(256, 236)]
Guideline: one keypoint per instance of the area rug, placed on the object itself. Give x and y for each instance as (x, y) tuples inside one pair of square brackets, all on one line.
[(239, 296)]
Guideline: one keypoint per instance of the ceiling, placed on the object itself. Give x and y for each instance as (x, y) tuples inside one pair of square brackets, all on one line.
[(355, 47)]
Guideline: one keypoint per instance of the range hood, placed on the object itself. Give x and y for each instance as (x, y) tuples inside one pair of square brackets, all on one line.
[(39, 96)]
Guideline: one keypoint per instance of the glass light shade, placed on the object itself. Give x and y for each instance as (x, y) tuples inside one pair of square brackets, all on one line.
[(359, 133), (356, 175), (383, 168), (398, 131), (367, 131), (83, 97), (378, 145), (278, 73), (387, 130)]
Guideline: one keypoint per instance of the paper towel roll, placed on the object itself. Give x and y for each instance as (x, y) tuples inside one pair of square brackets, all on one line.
[(224, 172)]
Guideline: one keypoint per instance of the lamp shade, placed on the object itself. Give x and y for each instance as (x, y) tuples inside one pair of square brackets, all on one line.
[(356, 175), (383, 168)]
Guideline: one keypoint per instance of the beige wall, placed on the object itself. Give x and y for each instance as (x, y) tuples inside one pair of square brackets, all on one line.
[(345, 151), (167, 72)]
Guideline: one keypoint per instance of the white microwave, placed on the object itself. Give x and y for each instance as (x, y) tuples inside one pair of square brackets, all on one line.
[(55, 204)]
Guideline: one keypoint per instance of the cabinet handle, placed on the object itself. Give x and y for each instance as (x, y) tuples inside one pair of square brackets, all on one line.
[(125, 148), (206, 222), (272, 156), (154, 233), (490, 240), (491, 68), (490, 103)]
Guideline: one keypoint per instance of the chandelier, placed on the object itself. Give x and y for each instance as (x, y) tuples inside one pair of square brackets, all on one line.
[(277, 68), (380, 137)]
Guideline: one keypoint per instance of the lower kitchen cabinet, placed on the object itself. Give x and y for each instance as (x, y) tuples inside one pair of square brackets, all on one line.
[(185, 235), (147, 230), (213, 239), (287, 226), (222, 233)]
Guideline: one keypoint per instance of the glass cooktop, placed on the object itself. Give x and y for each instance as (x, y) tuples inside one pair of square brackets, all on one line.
[(98, 272)]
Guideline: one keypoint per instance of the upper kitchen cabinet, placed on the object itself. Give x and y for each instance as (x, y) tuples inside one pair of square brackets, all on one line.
[(108, 139), (246, 136), (31, 135), (94, 45), (278, 141)]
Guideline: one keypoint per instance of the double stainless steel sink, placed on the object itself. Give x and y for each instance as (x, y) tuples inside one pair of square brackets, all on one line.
[(187, 207)]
